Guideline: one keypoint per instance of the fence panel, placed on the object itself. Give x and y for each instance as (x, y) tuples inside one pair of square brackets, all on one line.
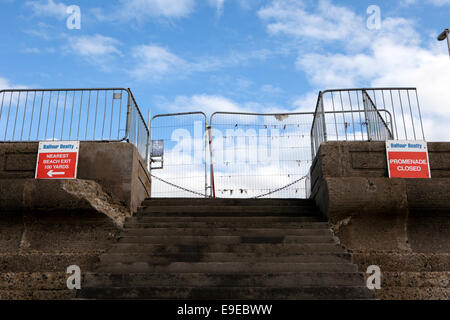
[(260, 155), (63, 114), (182, 147), (366, 114), (377, 128), (105, 114), (138, 133)]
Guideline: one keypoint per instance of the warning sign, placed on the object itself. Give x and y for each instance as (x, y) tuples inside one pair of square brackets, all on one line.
[(57, 160), (408, 159)]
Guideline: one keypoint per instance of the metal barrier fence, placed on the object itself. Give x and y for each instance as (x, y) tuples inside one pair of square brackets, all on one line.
[(250, 155), (366, 115), (105, 114), (178, 160), (260, 155), (377, 127)]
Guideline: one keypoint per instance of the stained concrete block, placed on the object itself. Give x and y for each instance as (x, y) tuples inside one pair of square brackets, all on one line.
[(400, 225), (116, 167)]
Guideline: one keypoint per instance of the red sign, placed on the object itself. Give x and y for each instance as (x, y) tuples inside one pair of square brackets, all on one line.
[(57, 160), (408, 159)]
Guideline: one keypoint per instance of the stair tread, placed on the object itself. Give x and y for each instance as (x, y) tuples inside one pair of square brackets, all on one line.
[(226, 249), (231, 293), (214, 267)]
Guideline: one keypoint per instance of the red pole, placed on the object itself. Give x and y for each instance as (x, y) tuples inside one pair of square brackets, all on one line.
[(211, 163)]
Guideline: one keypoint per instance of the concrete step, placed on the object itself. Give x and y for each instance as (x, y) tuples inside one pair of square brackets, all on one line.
[(241, 248), (224, 267), (269, 232), (270, 280), (224, 257), (227, 202), (201, 240), (220, 210), (411, 293), (218, 225), (236, 219), (416, 279), (224, 293)]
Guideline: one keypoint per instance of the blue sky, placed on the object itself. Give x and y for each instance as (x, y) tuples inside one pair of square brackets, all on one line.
[(230, 55)]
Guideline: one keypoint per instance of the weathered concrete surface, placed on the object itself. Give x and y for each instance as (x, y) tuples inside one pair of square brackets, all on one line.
[(116, 167), (401, 225), (62, 223), (48, 225)]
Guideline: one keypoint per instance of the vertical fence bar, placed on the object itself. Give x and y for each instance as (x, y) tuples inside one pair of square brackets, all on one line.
[(104, 113), (353, 119), (334, 115), (343, 115), (64, 115), (411, 113), (403, 114), (1, 107), (95, 116), (87, 115), (48, 113), (71, 115), (40, 114), (15, 118), (7, 118), (120, 112), (32, 116), (112, 113), (393, 112), (56, 116), (359, 113), (79, 114), (420, 115), (24, 115)]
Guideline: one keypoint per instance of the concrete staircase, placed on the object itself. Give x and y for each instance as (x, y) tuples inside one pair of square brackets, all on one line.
[(226, 249)]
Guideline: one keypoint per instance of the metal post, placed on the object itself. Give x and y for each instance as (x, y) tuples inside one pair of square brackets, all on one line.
[(366, 112), (206, 155), (448, 43), (213, 189), (149, 139), (445, 34), (127, 133)]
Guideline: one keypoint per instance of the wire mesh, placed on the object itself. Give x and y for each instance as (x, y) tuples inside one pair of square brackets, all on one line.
[(184, 166), (254, 154)]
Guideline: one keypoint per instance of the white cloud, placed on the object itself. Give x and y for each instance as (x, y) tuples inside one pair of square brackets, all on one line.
[(211, 103), (395, 55), (154, 61), (270, 89), (218, 4), (6, 84), (94, 46), (141, 10), (292, 18), (48, 8), (205, 103), (390, 64), (325, 23), (438, 3)]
